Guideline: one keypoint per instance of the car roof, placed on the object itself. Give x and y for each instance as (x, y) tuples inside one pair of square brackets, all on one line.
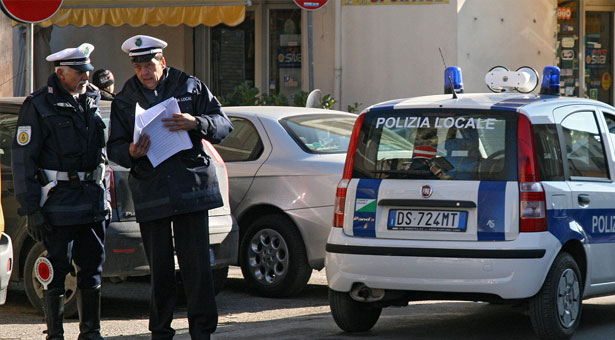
[(278, 112), (500, 101)]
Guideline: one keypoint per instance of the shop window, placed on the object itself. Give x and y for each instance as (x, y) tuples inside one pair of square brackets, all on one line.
[(599, 56), (232, 56), (285, 52), (568, 46)]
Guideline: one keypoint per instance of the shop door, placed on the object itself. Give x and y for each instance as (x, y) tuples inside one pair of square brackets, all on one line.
[(568, 46), (285, 52), (232, 57), (599, 56)]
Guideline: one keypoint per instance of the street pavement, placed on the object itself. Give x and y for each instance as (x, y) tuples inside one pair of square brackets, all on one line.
[(244, 316)]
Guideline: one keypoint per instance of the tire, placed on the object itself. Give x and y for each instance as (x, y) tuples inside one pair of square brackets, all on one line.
[(556, 310), (34, 289), (219, 275), (351, 315), (273, 258)]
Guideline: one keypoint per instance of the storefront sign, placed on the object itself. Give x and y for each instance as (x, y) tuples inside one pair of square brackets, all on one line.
[(564, 13), (289, 57), (568, 42), (310, 5), (595, 57), (567, 54), (392, 2), (606, 81)]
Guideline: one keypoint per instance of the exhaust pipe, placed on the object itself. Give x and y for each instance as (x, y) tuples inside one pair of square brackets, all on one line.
[(362, 293)]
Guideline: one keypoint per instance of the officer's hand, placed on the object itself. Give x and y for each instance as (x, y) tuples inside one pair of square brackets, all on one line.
[(181, 121), (140, 149), (38, 228)]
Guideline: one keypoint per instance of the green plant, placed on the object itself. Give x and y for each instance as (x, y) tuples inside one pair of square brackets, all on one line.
[(274, 99), (244, 94), (300, 99), (327, 102), (354, 107)]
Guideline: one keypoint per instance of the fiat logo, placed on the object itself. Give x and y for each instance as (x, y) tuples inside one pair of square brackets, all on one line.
[(426, 191)]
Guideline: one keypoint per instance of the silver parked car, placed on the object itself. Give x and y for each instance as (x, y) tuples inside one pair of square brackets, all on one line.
[(283, 165)]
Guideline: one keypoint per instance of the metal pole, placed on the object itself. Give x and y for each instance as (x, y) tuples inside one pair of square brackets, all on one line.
[(311, 50), (30, 60)]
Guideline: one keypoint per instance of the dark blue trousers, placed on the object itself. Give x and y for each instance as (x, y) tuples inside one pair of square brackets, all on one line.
[(83, 244), (190, 234)]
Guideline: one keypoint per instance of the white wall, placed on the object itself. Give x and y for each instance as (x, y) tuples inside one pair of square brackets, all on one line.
[(6, 57), (391, 51), (323, 28), (512, 34), (107, 41)]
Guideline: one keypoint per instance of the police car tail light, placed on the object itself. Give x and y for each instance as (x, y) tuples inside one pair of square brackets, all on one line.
[(340, 203), (112, 188), (532, 202), (211, 150), (340, 193)]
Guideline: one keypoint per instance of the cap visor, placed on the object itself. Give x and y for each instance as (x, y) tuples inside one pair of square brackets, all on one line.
[(85, 67), (142, 58)]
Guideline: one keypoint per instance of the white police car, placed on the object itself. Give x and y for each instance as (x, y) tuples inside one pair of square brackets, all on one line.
[(501, 197)]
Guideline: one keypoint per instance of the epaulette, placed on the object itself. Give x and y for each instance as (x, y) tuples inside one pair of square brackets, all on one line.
[(40, 91)]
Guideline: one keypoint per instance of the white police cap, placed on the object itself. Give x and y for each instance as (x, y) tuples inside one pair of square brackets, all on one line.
[(142, 48), (77, 57)]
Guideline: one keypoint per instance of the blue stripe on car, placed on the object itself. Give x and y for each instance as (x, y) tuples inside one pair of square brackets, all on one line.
[(491, 210), (364, 222), (586, 225), (513, 104), (386, 105)]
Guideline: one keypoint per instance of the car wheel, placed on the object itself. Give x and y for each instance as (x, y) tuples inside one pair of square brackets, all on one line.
[(556, 310), (273, 258), (34, 289), (219, 276), (351, 315)]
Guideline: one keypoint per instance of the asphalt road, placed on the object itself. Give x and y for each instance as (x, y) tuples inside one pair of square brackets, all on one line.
[(243, 316)]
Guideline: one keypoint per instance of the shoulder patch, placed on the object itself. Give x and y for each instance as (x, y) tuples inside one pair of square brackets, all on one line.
[(23, 134)]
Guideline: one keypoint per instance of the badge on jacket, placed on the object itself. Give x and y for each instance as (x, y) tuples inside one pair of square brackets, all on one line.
[(23, 134)]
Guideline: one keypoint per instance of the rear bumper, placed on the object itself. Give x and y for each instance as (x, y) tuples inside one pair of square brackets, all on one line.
[(224, 242), (6, 264), (509, 269), (124, 252)]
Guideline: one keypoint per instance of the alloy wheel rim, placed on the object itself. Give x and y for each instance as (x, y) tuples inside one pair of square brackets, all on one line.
[(568, 298), (268, 257)]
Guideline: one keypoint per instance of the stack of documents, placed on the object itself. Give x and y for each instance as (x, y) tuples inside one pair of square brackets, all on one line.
[(164, 143)]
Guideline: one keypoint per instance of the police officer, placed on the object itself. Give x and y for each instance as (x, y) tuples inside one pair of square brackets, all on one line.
[(171, 199), (58, 170)]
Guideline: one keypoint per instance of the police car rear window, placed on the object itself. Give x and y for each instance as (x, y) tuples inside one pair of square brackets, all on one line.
[(437, 144)]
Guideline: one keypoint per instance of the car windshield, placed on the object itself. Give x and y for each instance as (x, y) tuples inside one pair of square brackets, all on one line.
[(320, 133), (437, 144)]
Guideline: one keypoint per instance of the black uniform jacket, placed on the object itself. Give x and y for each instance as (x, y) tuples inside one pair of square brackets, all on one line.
[(55, 132), (186, 182)]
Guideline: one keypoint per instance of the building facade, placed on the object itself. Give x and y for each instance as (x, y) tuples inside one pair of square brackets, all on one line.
[(368, 51)]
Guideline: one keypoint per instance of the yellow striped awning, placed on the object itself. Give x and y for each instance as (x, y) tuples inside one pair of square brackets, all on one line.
[(148, 12)]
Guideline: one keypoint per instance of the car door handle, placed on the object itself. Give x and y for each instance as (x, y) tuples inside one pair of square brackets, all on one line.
[(584, 199)]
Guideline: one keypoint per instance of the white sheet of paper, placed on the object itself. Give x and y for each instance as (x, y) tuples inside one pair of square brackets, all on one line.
[(164, 143)]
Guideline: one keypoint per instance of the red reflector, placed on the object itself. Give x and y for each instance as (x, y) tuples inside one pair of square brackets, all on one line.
[(9, 266), (43, 271), (123, 251)]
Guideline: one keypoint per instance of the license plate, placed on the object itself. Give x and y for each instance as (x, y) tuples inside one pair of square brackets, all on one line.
[(427, 220)]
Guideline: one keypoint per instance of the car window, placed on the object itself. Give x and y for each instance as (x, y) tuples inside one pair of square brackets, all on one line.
[(610, 122), (318, 133), (549, 153), (583, 145), (242, 144), (464, 144), (8, 126)]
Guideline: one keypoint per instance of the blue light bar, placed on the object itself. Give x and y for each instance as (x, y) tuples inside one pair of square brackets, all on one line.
[(453, 74), (550, 81)]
